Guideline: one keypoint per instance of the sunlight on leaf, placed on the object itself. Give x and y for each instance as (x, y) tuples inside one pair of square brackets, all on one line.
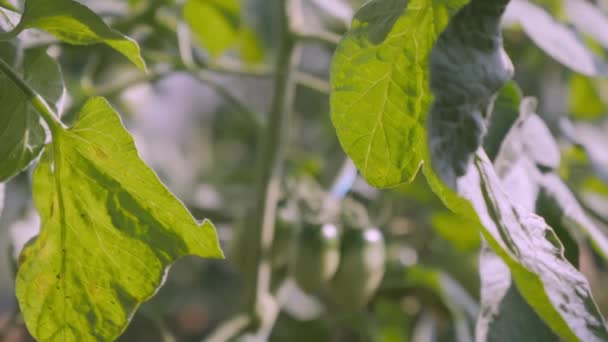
[(109, 231), (76, 24), (380, 93)]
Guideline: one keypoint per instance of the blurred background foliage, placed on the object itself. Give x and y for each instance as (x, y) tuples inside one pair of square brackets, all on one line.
[(196, 115)]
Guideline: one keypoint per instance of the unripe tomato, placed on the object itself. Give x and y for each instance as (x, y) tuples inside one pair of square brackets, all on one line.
[(315, 256), (362, 259)]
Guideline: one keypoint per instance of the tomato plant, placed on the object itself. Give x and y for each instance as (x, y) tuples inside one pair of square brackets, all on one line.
[(383, 170)]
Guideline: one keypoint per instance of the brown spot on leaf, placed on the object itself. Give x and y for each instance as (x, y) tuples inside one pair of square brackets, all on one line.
[(100, 153)]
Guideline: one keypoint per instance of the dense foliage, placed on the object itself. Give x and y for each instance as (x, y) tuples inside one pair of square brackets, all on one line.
[(404, 186)]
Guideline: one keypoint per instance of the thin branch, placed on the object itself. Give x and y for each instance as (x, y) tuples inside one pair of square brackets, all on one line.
[(34, 98), (312, 82), (270, 169)]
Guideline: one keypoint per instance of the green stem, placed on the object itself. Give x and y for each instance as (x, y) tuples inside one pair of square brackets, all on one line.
[(34, 98), (270, 169)]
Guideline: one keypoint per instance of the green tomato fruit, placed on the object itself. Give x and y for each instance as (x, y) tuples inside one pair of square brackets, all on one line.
[(362, 260), (315, 256)]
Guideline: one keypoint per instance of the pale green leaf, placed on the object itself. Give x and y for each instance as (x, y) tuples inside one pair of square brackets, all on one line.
[(557, 40), (505, 316), (76, 24), (109, 231), (556, 290), (589, 19), (556, 195), (380, 94)]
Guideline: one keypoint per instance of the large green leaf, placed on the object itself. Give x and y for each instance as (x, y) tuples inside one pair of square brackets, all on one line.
[(21, 133), (109, 231), (75, 24), (380, 92)]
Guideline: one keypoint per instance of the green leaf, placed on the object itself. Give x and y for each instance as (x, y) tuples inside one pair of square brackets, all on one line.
[(21, 132), (380, 93), (76, 24), (109, 231), (218, 27), (505, 316), (456, 230), (559, 41), (43, 74), (584, 98), (504, 114), (215, 23)]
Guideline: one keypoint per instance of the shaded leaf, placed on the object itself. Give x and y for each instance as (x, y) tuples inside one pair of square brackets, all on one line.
[(505, 113), (468, 67), (76, 24), (109, 231), (560, 42), (21, 132), (380, 94), (462, 307), (42, 73), (592, 138)]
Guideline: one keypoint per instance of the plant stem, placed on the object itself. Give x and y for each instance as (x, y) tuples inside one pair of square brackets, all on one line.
[(33, 97), (270, 168)]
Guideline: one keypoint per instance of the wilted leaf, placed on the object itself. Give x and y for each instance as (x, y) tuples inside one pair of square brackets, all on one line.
[(76, 24), (109, 231), (559, 41), (380, 93)]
